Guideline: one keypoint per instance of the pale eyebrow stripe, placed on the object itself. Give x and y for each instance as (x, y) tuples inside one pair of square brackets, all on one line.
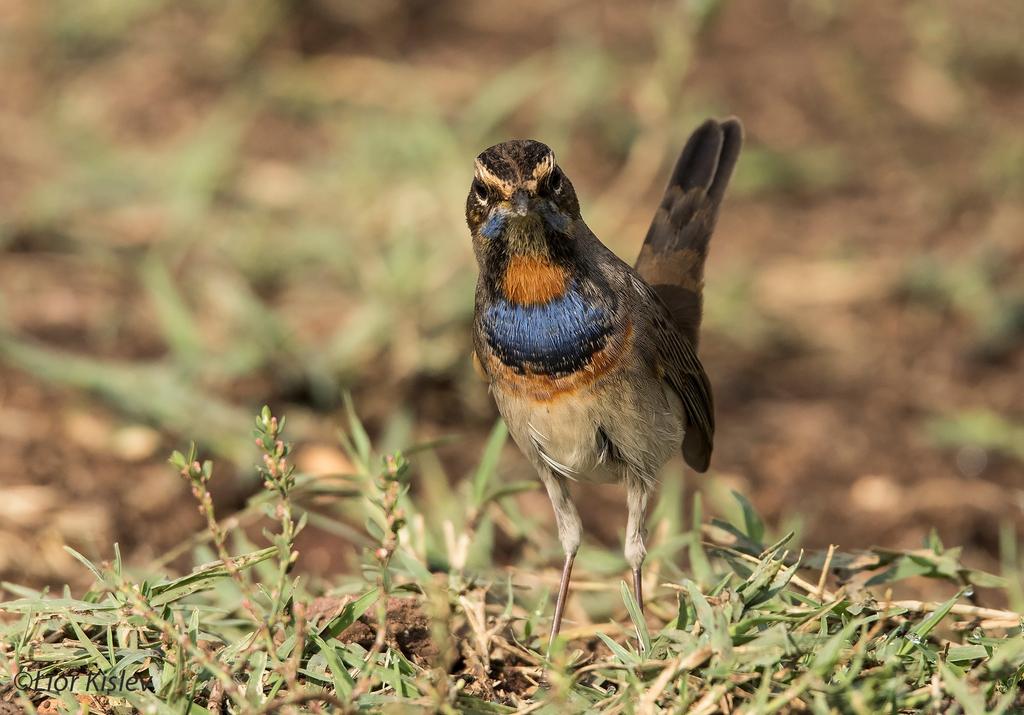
[(544, 166), (485, 175)]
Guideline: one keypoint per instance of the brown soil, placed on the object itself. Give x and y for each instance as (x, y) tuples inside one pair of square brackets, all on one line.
[(407, 629)]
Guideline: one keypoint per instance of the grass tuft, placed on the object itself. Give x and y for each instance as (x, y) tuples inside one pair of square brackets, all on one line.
[(422, 628)]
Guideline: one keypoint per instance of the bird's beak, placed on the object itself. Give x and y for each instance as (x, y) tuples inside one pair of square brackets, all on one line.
[(520, 203)]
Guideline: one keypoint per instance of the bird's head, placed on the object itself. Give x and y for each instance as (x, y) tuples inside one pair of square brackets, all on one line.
[(520, 202)]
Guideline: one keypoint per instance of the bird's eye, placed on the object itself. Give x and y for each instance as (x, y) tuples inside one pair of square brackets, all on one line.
[(553, 184), (480, 191)]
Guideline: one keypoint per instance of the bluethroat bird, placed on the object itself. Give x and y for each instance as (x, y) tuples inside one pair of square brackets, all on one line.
[(592, 362)]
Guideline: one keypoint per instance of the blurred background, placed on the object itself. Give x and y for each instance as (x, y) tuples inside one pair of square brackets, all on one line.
[(207, 206)]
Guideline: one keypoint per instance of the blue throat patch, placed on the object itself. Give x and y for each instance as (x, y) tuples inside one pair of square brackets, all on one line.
[(557, 337), (494, 226)]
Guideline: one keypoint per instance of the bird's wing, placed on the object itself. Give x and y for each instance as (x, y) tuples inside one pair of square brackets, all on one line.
[(678, 365)]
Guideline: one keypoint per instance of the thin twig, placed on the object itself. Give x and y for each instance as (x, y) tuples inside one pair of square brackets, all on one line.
[(960, 609), (302, 698), (824, 572)]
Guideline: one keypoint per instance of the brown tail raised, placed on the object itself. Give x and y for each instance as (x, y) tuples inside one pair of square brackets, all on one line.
[(672, 257)]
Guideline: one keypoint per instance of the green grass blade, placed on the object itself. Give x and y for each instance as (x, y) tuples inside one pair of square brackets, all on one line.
[(489, 462), (639, 622), (349, 614)]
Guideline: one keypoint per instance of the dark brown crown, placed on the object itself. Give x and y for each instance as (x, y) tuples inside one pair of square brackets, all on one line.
[(514, 162)]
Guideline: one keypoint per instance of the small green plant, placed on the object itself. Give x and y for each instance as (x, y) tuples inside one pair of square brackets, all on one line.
[(733, 627)]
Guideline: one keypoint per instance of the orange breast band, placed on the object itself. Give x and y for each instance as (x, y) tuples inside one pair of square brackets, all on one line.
[(533, 280)]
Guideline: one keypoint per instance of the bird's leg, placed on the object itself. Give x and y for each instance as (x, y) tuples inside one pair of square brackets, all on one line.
[(569, 531), (636, 501), (563, 593), (638, 588)]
